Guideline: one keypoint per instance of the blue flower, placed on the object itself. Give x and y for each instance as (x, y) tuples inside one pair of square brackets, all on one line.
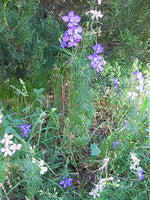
[(72, 36), (115, 144), (116, 83), (25, 129), (98, 48), (71, 19), (66, 182), (140, 174), (96, 62)]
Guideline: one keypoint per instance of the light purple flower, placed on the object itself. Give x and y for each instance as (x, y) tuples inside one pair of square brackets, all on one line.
[(66, 182), (115, 144), (25, 129), (139, 77), (96, 62), (71, 19), (140, 174), (72, 36), (98, 48), (116, 83)]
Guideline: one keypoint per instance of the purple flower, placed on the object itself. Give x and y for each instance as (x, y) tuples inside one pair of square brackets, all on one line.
[(140, 174), (96, 62), (71, 19), (72, 36), (116, 83), (138, 75), (98, 48), (25, 129), (115, 144), (66, 182)]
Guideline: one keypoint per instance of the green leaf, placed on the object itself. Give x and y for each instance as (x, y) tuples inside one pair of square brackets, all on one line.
[(95, 151), (38, 91)]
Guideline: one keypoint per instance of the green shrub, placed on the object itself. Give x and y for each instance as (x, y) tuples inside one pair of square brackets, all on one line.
[(28, 41)]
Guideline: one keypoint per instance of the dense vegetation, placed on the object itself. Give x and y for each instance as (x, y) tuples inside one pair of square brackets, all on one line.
[(74, 100)]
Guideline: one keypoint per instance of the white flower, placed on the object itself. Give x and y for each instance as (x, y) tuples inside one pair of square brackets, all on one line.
[(96, 14), (15, 147), (135, 162), (6, 152), (94, 193), (43, 170), (33, 160), (99, 2), (7, 139), (9, 146), (132, 95), (101, 184), (19, 146), (41, 163)]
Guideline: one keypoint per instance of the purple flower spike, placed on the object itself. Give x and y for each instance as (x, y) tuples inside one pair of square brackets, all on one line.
[(25, 129), (71, 19), (116, 83), (115, 144), (66, 182), (98, 48), (96, 62), (140, 174), (71, 37)]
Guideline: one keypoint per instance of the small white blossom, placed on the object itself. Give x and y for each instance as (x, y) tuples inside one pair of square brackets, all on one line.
[(94, 193), (100, 186), (41, 163), (95, 14), (9, 146), (43, 170), (19, 146), (6, 152), (99, 2), (135, 162), (34, 160), (132, 95)]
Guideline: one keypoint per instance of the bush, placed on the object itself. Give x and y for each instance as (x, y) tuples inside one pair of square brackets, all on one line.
[(28, 41)]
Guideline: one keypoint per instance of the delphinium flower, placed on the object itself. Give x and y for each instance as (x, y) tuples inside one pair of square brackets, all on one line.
[(140, 79), (115, 144), (98, 48), (25, 129), (116, 82), (135, 162), (9, 146), (132, 95), (94, 193), (99, 1), (97, 61), (66, 182), (40, 164), (99, 187), (134, 166), (140, 174), (72, 36), (95, 14), (71, 19)]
